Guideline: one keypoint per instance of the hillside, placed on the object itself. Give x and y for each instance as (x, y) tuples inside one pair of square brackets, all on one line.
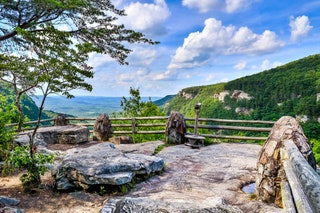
[(29, 107), (163, 101), (292, 89)]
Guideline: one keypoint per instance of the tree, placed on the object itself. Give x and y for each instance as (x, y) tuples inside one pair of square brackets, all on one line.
[(7, 112), (60, 33), (52, 40), (14, 71), (134, 107), (27, 25)]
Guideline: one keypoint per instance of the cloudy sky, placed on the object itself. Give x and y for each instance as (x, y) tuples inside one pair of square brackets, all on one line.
[(206, 42)]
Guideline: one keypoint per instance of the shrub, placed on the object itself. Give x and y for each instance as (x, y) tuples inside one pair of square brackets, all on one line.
[(35, 164)]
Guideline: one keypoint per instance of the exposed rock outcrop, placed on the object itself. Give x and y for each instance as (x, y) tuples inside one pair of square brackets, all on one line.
[(270, 168), (197, 180), (135, 205), (238, 94), (221, 95), (102, 164)]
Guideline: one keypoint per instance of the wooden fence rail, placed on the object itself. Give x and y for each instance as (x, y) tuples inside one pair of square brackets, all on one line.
[(211, 128), (302, 190)]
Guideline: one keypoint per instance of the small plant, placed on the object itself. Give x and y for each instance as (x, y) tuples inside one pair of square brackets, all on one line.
[(316, 149), (102, 190), (35, 164)]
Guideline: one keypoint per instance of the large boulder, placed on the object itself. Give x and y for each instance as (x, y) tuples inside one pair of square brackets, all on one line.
[(70, 134), (102, 164)]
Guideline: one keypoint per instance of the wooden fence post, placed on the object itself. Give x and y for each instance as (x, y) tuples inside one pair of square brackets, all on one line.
[(134, 126)]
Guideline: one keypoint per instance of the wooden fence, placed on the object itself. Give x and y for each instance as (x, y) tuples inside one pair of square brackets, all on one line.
[(301, 191), (208, 127)]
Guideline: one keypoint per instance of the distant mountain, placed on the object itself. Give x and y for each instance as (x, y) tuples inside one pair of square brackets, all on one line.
[(84, 106), (162, 101)]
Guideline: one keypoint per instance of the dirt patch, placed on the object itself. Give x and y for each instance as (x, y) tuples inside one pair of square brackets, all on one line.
[(45, 199)]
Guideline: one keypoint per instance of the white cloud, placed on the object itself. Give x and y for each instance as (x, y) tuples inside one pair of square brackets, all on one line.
[(97, 60), (215, 39), (266, 64), (204, 5), (300, 26), (168, 75), (229, 6), (209, 77), (142, 56), (146, 18), (241, 65)]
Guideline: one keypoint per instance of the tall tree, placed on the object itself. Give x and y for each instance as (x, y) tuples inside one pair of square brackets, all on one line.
[(54, 39)]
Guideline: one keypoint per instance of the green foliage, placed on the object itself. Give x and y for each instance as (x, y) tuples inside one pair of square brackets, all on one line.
[(7, 114), (315, 144), (35, 52), (290, 90), (134, 107), (90, 25), (35, 164)]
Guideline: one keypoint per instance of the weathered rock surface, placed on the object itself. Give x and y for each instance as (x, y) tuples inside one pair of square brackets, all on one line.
[(7, 205), (61, 120), (121, 140), (9, 201), (142, 205), (176, 128), (102, 164), (102, 129), (70, 134), (270, 168), (197, 180), (140, 148)]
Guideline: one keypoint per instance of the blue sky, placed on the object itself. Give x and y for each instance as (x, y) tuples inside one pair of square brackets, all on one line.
[(206, 42)]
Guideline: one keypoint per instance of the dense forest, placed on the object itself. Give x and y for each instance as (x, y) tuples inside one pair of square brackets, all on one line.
[(292, 89)]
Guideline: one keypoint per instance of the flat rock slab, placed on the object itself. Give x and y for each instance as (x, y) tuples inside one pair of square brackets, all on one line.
[(140, 148), (102, 164), (208, 179), (70, 134)]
